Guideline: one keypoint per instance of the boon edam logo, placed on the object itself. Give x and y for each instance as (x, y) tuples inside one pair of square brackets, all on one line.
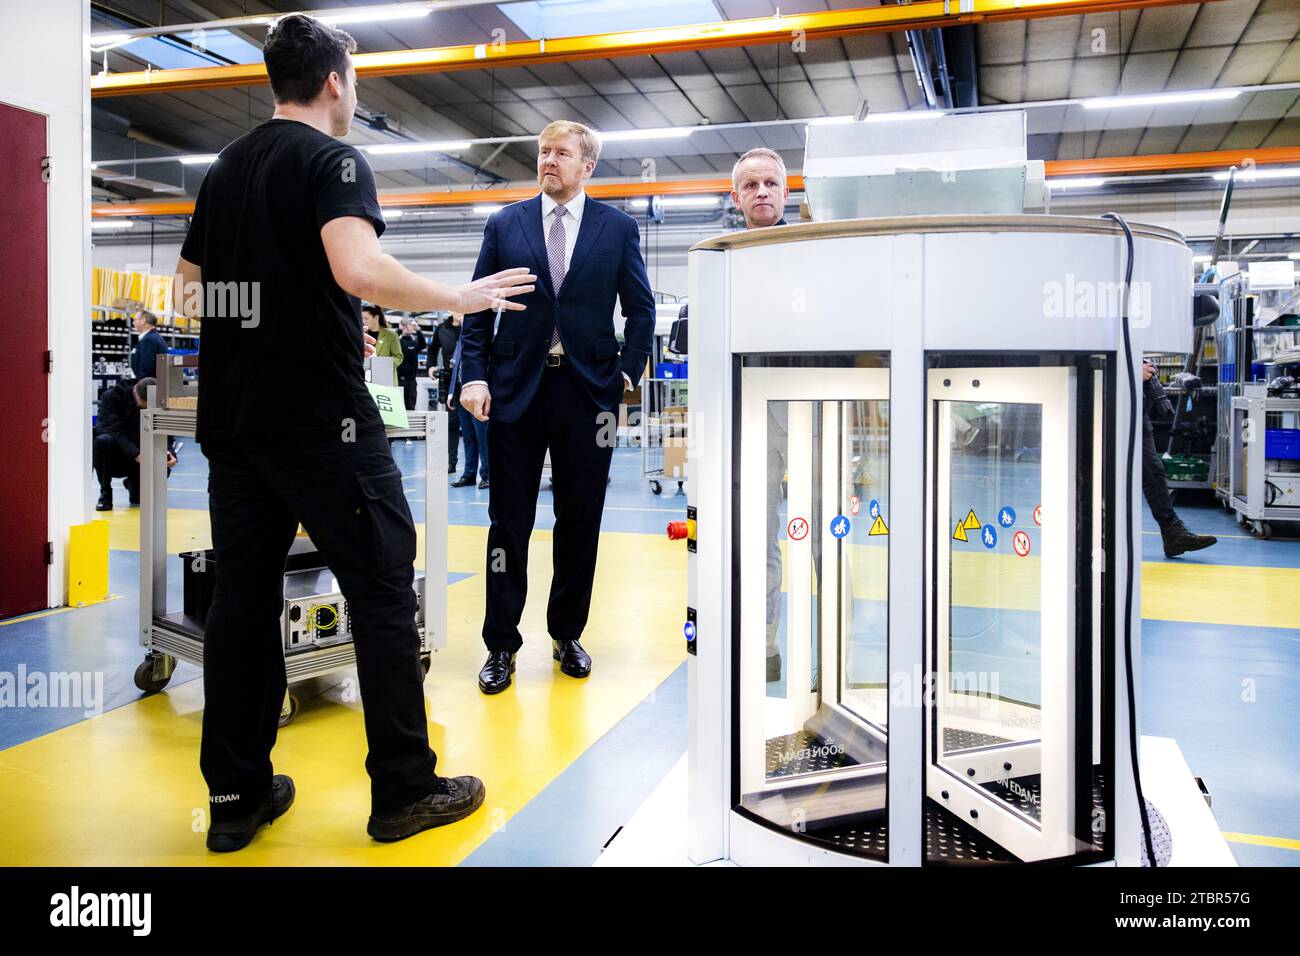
[(74, 909)]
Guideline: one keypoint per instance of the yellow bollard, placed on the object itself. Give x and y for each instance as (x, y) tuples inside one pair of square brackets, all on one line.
[(87, 563)]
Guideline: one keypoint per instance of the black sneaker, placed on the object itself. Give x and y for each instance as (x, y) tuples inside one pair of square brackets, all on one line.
[(1179, 539), (230, 835), (453, 798), (105, 502)]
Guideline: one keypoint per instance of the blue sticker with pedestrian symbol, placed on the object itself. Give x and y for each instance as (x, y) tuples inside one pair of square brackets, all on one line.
[(839, 526), (1007, 517), (989, 536), (873, 509)]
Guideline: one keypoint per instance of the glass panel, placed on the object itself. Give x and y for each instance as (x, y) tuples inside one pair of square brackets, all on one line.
[(864, 482), (991, 687), (814, 752), (793, 512)]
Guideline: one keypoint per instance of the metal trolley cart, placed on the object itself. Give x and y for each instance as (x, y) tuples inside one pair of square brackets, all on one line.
[(663, 431), (1264, 468), (169, 636)]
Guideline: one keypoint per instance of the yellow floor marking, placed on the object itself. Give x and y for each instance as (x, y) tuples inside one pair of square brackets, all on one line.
[(125, 789), (1283, 843)]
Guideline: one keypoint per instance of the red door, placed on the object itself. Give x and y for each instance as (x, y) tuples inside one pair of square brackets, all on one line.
[(24, 505)]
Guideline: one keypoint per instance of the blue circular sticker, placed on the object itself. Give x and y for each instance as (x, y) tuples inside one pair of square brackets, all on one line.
[(989, 535), (689, 631), (874, 508), (1007, 516), (839, 526)]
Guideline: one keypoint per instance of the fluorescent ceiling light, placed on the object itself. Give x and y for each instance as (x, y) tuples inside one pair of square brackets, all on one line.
[(1250, 175), (487, 208), (1293, 255), (392, 213), (1159, 99), (112, 225), (618, 136), (100, 42), (1200, 258), (388, 149), (680, 202), (896, 116), (379, 15), (198, 159), (1082, 182)]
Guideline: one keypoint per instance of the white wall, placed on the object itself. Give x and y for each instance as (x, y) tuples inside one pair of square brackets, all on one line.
[(44, 67)]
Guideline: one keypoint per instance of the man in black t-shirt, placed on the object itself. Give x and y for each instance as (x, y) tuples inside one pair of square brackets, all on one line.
[(283, 244)]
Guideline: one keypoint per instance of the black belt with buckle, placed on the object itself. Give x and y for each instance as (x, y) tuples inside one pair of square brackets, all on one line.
[(554, 360)]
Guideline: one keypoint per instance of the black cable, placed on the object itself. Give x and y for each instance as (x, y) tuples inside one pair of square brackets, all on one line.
[(1128, 538)]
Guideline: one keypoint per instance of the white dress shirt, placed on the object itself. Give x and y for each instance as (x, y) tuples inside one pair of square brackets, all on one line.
[(572, 223)]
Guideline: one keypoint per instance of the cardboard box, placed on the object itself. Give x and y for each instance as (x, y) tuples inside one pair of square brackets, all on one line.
[(674, 432)]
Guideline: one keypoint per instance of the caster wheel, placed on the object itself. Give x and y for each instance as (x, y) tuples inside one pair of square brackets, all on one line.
[(290, 709), (426, 662), (1265, 530), (656, 488), (145, 680)]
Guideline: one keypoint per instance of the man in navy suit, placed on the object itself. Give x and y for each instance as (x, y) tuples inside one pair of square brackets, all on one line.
[(551, 381)]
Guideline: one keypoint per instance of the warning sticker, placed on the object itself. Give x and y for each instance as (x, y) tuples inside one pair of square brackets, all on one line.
[(1038, 515), (797, 529), (960, 533), (839, 526), (873, 509), (971, 522), (1007, 516), (1021, 543), (989, 536), (878, 526)]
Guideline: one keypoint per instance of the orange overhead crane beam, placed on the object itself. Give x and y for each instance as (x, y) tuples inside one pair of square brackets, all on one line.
[(1107, 165), (824, 24)]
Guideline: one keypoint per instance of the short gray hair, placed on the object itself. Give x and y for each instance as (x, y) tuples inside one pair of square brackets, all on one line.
[(754, 154), (588, 140)]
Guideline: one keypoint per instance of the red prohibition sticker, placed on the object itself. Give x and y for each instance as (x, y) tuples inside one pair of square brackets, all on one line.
[(1021, 543), (1038, 515), (797, 529), (854, 503)]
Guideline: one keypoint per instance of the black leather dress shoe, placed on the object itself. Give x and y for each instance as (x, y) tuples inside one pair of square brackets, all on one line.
[(574, 661), (105, 502), (236, 834), (495, 675), (462, 481), (453, 798)]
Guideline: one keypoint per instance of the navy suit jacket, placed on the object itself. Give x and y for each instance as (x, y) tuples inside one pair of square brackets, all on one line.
[(606, 264)]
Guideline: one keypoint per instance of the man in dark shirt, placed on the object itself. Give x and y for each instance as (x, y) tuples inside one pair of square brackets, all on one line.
[(115, 450), (408, 373), (283, 245), (443, 345), (144, 357)]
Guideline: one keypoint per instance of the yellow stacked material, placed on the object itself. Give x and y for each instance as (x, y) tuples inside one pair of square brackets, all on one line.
[(131, 290)]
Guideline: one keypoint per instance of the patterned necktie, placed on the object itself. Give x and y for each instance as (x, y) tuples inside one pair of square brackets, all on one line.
[(555, 253)]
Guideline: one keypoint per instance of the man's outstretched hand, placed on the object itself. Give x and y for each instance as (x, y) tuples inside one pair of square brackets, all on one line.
[(495, 291)]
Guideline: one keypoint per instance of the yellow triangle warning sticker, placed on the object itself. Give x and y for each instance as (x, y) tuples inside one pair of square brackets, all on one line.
[(878, 526), (960, 533), (971, 521)]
